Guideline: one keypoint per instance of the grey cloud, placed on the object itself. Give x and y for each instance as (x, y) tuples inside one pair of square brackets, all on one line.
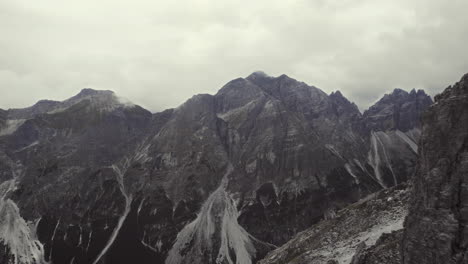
[(159, 53)]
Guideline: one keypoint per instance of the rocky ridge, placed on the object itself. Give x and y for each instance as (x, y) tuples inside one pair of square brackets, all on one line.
[(435, 230), (221, 179)]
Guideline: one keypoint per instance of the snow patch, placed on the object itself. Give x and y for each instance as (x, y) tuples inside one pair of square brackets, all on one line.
[(349, 169), (377, 157), (16, 233), (333, 150), (11, 126), (226, 116), (217, 218), (28, 146), (347, 248), (120, 170), (409, 141)]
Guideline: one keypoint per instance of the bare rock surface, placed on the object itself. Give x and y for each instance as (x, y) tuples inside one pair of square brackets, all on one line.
[(222, 178), (436, 228)]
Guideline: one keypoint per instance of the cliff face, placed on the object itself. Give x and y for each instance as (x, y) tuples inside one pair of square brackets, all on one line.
[(435, 230), (223, 178)]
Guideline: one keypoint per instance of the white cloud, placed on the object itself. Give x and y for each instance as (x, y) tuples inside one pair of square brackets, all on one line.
[(159, 53)]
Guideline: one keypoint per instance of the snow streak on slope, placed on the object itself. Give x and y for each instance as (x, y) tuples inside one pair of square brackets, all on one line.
[(374, 159), (215, 234), (413, 145), (120, 171), (140, 155), (378, 157), (19, 236), (11, 126)]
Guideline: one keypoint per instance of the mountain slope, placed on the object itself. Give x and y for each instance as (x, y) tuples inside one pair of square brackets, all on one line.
[(335, 240), (106, 181), (434, 229), (394, 122)]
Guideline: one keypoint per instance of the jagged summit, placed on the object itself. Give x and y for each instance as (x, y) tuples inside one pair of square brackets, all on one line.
[(398, 110), (259, 77), (336, 93), (343, 105), (338, 96), (399, 91)]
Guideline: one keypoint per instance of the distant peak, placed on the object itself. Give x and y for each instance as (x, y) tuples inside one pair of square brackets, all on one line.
[(421, 92), (258, 74), (338, 97), (105, 99), (399, 91), (91, 92)]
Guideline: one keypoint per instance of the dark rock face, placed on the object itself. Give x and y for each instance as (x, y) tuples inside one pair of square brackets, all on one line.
[(399, 110), (435, 230), (221, 179), (59, 166), (3, 117)]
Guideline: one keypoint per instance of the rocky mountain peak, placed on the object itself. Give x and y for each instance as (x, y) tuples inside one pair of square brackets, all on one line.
[(258, 75), (338, 96), (398, 92), (89, 92), (343, 105), (102, 100), (398, 110), (94, 95)]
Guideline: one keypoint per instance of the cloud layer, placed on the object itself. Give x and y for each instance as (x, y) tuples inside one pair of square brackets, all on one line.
[(159, 53)]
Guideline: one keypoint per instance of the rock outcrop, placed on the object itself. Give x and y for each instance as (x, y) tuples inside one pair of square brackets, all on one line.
[(436, 227)]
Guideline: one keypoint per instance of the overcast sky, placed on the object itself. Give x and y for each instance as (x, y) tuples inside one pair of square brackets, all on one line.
[(160, 53)]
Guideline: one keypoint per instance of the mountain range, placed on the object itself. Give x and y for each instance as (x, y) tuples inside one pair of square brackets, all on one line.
[(225, 178)]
